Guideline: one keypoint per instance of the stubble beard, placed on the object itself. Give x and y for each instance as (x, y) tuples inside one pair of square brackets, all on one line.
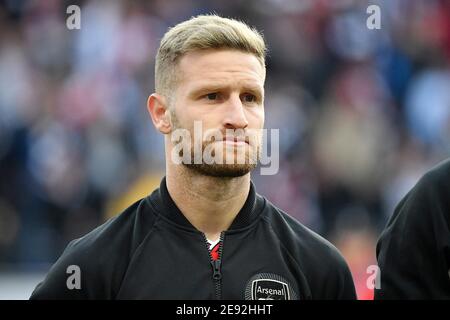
[(224, 170)]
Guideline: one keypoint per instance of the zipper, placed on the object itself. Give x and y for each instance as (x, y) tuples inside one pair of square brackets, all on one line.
[(216, 266)]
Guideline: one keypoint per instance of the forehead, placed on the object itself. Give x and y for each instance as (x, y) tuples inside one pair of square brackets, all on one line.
[(220, 67)]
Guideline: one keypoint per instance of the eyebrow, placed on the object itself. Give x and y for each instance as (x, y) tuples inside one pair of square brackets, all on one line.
[(213, 87)]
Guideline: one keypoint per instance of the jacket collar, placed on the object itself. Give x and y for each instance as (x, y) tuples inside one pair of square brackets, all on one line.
[(166, 206)]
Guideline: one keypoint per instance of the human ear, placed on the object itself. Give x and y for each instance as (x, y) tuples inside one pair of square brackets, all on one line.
[(159, 112)]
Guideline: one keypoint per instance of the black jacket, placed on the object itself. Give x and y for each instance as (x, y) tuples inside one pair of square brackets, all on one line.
[(413, 251), (151, 251)]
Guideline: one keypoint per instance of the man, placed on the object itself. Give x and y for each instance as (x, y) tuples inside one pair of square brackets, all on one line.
[(413, 251), (205, 233)]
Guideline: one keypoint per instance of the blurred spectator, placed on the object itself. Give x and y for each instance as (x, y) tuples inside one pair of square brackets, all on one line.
[(362, 114)]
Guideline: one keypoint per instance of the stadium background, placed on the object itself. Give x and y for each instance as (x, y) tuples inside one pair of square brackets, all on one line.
[(362, 114)]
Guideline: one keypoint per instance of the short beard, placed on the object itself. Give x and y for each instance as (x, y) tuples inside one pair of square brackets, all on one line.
[(232, 170), (221, 170)]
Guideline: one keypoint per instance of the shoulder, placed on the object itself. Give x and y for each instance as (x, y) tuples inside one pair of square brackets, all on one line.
[(319, 259), (428, 199), (100, 257), (440, 171), (119, 234), (295, 235), (437, 179), (422, 216), (418, 231)]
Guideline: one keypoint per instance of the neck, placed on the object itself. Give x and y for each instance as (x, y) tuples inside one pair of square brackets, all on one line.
[(210, 204)]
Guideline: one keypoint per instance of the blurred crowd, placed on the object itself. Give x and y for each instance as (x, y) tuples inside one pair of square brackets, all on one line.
[(362, 114)]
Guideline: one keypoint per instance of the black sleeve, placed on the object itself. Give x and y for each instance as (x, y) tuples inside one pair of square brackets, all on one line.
[(326, 271), (413, 250), (347, 287), (102, 257), (339, 284), (59, 285)]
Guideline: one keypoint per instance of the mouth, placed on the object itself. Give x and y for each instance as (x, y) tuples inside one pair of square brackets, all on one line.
[(235, 141)]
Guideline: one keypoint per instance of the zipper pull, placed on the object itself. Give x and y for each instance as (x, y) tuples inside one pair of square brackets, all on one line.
[(217, 275)]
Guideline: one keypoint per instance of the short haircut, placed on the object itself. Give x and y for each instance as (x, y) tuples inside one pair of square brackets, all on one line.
[(201, 33)]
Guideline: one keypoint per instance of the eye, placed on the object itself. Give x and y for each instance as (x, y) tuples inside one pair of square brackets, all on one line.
[(249, 97), (211, 96)]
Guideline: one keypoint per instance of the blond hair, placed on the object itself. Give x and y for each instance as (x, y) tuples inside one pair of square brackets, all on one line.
[(200, 33)]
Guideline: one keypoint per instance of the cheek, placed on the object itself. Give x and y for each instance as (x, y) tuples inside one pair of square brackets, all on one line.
[(256, 118), (188, 116), (184, 112)]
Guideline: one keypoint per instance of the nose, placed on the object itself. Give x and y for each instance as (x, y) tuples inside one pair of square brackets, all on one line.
[(235, 115)]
